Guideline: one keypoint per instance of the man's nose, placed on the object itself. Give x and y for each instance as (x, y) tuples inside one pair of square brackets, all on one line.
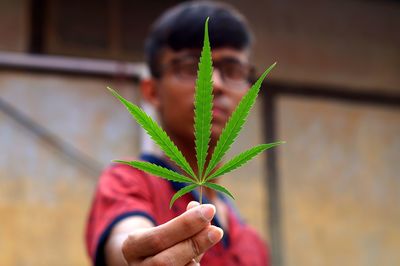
[(218, 83)]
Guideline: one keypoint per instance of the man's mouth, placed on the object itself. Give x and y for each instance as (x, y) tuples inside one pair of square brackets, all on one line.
[(219, 113)]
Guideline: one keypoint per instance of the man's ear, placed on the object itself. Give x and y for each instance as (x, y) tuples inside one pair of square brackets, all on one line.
[(150, 93)]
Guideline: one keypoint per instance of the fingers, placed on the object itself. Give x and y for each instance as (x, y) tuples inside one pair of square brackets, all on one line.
[(193, 263), (148, 242), (184, 252)]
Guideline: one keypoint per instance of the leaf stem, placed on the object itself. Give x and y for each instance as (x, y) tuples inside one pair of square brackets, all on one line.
[(201, 195)]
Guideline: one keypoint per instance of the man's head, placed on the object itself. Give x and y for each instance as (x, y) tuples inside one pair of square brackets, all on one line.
[(173, 49), (182, 27)]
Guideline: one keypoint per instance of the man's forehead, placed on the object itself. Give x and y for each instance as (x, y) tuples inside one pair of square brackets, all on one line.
[(168, 54)]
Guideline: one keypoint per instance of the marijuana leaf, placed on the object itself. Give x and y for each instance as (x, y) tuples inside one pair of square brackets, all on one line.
[(158, 171), (156, 133), (219, 188), (236, 122), (202, 128), (241, 159), (203, 104), (182, 192)]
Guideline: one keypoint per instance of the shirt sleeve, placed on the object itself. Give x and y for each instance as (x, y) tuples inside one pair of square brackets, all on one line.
[(122, 191), (249, 249)]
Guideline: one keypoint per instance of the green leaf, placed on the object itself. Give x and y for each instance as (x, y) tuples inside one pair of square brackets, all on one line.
[(156, 133), (241, 159), (203, 104), (158, 171), (236, 122), (219, 188), (182, 192)]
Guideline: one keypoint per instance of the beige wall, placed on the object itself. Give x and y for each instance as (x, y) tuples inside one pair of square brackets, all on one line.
[(340, 183), (44, 196), (342, 43)]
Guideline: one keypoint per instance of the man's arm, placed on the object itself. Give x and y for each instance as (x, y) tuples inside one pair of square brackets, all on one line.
[(134, 240), (120, 232)]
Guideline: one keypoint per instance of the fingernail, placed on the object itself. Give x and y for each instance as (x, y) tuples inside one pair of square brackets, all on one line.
[(207, 212), (192, 204), (215, 234)]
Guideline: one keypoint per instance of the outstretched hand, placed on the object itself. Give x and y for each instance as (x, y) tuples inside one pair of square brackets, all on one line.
[(179, 242)]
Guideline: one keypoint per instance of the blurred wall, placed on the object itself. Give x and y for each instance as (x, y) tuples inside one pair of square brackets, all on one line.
[(343, 43), (338, 178), (15, 25), (340, 182), (45, 193)]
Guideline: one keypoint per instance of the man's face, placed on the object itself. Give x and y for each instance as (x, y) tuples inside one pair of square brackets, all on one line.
[(176, 88)]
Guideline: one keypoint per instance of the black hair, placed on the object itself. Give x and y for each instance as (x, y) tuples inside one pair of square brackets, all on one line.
[(182, 27)]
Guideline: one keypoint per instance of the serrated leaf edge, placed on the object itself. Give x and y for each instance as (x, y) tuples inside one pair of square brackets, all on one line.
[(182, 192), (219, 188), (163, 141), (203, 104), (242, 159), (236, 122), (157, 170)]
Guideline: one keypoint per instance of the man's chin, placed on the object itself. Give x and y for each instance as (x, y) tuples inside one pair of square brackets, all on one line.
[(216, 131)]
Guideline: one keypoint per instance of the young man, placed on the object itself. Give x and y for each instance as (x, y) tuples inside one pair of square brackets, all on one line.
[(130, 220)]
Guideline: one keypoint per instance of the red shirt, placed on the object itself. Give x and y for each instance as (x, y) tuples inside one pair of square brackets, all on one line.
[(124, 191)]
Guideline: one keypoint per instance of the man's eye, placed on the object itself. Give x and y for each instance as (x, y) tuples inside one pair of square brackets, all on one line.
[(189, 69), (234, 72)]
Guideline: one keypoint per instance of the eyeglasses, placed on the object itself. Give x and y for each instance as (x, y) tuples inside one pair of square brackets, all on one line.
[(234, 73)]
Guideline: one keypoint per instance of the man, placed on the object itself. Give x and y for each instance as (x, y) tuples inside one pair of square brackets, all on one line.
[(130, 220)]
